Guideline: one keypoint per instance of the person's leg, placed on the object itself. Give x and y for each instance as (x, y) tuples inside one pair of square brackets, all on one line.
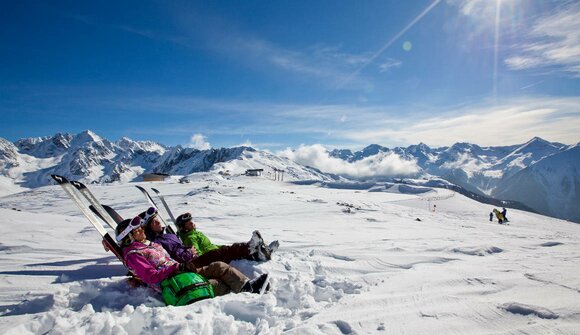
[(219, 287), (232, 277), (225, 253)]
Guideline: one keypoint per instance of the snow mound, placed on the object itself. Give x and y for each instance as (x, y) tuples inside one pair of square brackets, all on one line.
[(477, 251), (517, 308)]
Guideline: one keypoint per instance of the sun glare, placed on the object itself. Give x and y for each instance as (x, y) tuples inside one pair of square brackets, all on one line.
[(496, 47)]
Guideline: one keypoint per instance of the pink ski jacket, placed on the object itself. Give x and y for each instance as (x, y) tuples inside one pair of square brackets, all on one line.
[(151, 263)]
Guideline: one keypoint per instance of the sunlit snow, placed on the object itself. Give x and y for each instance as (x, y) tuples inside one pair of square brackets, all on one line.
[(388, 260)]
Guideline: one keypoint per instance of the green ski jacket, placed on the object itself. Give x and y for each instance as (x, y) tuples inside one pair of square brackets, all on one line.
[(198, 240)]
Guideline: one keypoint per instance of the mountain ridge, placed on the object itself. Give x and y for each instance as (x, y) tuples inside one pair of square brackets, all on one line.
[(483, 172)]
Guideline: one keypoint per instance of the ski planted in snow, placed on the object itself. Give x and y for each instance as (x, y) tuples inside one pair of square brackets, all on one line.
[(102, 212), (162, 198), (153, 204), (113, 213), (108, 241)]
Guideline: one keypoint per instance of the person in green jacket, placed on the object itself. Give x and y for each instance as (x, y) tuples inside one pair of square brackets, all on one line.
[(255, 249), (191, 237)]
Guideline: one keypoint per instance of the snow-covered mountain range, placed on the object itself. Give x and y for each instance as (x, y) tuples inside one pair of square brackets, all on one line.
[(92, 159), (542, 175)]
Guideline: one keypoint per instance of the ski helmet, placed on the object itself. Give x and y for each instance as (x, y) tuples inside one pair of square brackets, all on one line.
[(182, 219), (127, 226)]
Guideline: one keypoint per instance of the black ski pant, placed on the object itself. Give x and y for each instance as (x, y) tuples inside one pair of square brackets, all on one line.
[(225, 253)]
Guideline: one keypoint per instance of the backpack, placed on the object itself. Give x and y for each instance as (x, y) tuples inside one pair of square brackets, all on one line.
[(185, 288)]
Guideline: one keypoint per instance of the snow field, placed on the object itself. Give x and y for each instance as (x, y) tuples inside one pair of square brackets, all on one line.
[(350, 262)]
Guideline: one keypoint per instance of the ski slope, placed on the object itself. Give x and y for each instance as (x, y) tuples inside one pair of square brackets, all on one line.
[(350, 262)]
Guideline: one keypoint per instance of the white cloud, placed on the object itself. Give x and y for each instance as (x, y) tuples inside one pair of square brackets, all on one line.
[(553, 41), (512, 122), (198, 141), (328, 64), (487, 122), (383, 164), (548, 40), (325, 63), (389, 63), (523, 62)]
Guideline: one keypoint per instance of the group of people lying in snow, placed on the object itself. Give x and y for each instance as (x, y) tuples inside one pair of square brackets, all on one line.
[(189, 267)]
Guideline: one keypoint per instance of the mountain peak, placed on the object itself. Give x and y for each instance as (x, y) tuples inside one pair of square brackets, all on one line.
[(536, 144), (374, 149), (126, 143), (85, 137), (537, 139), (422, 145), (89, 135)]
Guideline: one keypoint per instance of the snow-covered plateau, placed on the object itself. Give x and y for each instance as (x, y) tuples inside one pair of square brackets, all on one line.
[(351, 261)]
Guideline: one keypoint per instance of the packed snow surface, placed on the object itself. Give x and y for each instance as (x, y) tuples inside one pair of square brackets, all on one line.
[(351, 261)]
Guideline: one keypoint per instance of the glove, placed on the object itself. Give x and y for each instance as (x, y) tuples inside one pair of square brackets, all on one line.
[(194, 252)]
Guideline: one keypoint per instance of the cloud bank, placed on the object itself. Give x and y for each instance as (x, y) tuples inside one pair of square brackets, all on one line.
[(485, 124), (381, 165), (198, 141)]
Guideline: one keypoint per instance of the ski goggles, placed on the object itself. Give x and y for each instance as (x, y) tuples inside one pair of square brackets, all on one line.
[(149, 214), (137, 222)]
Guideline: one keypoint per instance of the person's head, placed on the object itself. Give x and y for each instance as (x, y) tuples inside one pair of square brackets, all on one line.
[(185, 223), (130, 230), (152, 224)]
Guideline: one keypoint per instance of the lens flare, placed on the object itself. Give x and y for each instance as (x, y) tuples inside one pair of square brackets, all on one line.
[(496, 46)]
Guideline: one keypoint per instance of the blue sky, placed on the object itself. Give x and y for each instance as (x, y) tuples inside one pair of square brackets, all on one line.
[(278, 74)]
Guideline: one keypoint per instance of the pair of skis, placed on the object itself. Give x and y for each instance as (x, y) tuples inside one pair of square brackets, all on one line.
[(152, 203), (104, 212), (108, 215)]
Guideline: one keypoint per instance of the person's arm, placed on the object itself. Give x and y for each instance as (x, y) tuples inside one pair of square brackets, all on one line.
[(183, 254), (146, 272), (176, 249), (187, 239), (204, 243)]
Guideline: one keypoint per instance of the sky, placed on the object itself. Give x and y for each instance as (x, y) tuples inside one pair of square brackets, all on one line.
[(284, 74)]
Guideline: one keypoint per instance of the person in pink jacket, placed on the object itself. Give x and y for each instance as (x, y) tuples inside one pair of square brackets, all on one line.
[(152, 264)]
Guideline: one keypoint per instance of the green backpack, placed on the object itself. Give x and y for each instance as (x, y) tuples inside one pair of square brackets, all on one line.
[(185, 288)]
